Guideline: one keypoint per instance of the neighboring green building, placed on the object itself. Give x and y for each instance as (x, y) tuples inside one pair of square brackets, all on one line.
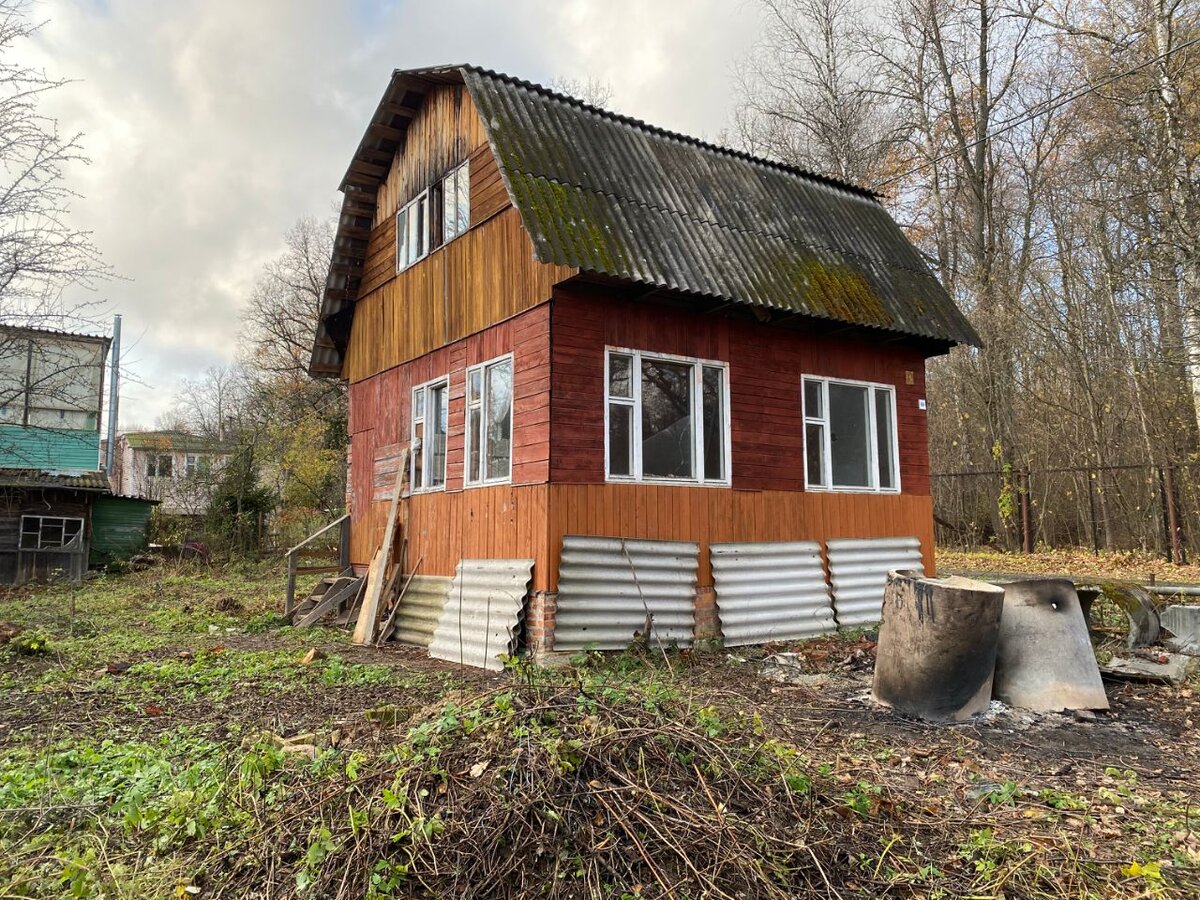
[(50, 399), (119, 527), (51, 386)]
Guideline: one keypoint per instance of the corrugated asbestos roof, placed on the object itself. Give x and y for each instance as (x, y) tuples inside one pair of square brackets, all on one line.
[(42, 478), (172, 440), (615, 196)]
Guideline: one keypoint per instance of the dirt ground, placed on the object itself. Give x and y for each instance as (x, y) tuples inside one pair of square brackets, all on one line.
[(1106, 804)]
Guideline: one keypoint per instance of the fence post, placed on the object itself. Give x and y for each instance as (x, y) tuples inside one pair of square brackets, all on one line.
[(290, 600), (344, 545), (1091, 492), (1026, 530), (1172, 515)]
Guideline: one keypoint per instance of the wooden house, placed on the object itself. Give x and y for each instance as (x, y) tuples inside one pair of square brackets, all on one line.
[(630, 357)]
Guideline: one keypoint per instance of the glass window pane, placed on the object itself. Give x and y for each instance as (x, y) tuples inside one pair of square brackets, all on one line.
[(72, 531), (620, 439), (438, 420), (422, 225), (619, 376), (667, 438), (419, 403), (474, 440), (450, 207), (884, 438), (402, 239), (849, 451), (474, 381), (714, 424), (812, 400), (418, 455), (499, 419), (464, 198), (814, 452)]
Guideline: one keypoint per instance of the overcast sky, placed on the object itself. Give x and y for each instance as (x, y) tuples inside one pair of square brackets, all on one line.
[(212, 125)]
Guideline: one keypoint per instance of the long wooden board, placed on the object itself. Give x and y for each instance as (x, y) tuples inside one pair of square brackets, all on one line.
[(364, 629)]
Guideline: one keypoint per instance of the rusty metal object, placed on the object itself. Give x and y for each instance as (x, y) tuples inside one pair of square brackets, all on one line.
[(937, 646), (1045, 659), (1134, 600)]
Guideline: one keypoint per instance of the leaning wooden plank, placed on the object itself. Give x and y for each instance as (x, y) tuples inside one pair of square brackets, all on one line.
[(364, 630), (332, 601)]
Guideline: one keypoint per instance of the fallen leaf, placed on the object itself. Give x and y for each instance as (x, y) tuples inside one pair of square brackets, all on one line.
[(479, 768)]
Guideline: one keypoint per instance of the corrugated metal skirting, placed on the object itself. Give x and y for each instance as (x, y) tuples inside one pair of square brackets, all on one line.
[(771, 591), (479, 621), (420, 609), (858, 572), (600, 603)]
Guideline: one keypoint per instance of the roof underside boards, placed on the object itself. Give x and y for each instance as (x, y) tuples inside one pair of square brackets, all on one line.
[(616, 197)]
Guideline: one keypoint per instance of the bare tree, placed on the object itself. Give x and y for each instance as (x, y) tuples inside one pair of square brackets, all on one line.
[(591, 90), (281, 317), (40, 252), (809, 92)]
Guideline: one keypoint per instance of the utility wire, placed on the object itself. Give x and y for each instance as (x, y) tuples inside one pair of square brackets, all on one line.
[(1044, 107)]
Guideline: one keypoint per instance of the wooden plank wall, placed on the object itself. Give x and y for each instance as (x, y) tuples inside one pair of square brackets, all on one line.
[(715, 515), (380, 410), (765, 369), (483, 277), (444, 132)]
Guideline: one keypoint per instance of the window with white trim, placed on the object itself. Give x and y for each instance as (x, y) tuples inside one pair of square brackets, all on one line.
[(51, 532), (412, 231), (666, 418), (430, 417), (456, 203), (850, 436), (489, 421)]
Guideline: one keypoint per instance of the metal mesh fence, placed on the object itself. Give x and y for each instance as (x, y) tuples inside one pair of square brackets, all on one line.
[(1136, 507)]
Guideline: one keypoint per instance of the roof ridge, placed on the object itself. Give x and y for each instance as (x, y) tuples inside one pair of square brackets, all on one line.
[(643, 125)]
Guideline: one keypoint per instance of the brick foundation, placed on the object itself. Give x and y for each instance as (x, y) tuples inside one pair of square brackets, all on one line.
[(708, 626), (539, 624)]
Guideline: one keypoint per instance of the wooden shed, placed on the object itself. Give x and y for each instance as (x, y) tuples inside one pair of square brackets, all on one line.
[(585, 327)]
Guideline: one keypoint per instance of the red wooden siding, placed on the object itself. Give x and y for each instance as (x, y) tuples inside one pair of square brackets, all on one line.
[(380, 410), (765, 369)]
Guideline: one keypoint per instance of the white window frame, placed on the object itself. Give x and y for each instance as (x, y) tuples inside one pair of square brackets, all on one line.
[(402, 213), (75, 544), (451, 178), (872, 442), (635, 402), (443, 381), (470, 478)]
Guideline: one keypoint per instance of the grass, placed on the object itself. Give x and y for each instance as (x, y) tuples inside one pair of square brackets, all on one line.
[(219, 765)]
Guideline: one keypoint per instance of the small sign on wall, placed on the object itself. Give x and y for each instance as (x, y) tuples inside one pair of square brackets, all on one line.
[(921, 403)]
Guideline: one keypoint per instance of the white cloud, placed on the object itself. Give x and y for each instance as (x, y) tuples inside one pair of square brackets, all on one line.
[(213, 124)]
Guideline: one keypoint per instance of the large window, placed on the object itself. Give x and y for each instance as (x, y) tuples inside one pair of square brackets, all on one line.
[(850, 436), (489, 421), (667, 418), (430, 416), (456, 203), (50, 532), (412, 232)]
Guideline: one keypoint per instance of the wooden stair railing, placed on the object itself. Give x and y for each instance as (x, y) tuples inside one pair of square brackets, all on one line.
[(293, 560)]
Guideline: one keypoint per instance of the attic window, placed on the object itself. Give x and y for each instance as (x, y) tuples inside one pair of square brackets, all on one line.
[(850, 436), (412, 232), (456, 203)]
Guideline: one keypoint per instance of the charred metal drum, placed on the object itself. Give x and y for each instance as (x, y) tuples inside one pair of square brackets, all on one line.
[(1045, 659), (937, 646)]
